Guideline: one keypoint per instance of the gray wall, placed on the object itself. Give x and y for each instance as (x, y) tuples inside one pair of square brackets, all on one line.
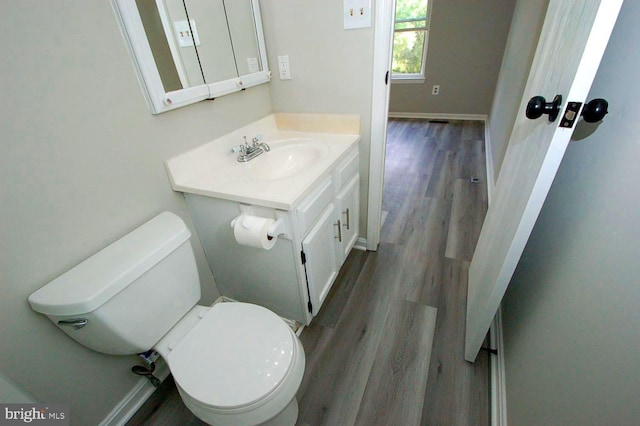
[(11, 392), (466, 44), (528, 17), (571, 315), (81, 164), (331, 68)]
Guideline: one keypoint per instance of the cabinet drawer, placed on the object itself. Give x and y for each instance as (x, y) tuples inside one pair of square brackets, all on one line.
[(347, 169), (310, 208)]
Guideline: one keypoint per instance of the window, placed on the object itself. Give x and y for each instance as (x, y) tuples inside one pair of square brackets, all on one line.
[(410, 40)]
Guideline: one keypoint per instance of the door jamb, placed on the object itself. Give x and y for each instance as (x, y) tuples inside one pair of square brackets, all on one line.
[(382, 49)]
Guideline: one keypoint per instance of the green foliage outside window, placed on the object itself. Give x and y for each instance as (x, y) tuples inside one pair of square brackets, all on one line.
[(409, 36)]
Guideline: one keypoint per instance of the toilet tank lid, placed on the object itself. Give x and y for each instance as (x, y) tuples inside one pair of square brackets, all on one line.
[(88, 285)]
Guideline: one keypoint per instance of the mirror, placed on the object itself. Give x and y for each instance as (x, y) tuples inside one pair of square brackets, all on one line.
[(186, 51)]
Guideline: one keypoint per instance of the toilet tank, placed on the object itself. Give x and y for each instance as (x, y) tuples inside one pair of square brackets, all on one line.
[(124, 298)]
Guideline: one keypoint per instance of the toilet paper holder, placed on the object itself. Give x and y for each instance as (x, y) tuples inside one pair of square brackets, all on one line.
[(278, 229)]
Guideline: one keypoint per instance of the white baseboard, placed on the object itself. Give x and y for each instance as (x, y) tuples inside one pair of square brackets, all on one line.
[(498, 376), (361, 244), (132, 402), (438, 116), (489, 160)]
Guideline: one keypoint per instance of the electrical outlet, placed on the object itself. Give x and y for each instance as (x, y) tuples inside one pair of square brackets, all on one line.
[(436, 89), (253, 65), (284, 67)]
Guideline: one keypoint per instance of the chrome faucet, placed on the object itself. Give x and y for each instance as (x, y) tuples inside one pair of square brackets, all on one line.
[(248, 152)]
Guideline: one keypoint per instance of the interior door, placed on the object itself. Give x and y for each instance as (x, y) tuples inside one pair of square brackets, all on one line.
[(572, 41)]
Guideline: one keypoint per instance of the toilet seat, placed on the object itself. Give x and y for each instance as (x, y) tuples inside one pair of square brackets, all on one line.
[(245, 350)]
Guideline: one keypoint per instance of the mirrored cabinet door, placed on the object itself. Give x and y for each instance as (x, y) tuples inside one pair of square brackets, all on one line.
[(213, 48), (190, 50), (243, 34)]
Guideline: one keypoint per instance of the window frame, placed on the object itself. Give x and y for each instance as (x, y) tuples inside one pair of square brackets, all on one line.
[(413, 77)]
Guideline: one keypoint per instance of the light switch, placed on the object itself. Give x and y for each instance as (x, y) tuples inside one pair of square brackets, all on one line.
[(183, 33), (357, 14)]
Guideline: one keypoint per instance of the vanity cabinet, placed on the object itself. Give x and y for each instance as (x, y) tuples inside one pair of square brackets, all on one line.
[(319, 258), (295, 276), (327, 245), (348, 203), (335, 229)]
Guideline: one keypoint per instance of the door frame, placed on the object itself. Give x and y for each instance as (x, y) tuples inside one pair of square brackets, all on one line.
[(382, 50)]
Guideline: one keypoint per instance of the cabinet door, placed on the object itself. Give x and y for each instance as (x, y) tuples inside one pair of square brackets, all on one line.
[(348, 203), (321, 266)]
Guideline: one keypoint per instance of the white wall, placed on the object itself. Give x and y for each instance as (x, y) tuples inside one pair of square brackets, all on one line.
[(466, 43), (526, 25), (81, 164), (331, 68), (572, 313)]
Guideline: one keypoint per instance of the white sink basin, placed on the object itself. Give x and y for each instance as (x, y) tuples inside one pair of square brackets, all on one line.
[(287, 158), (279, 178)]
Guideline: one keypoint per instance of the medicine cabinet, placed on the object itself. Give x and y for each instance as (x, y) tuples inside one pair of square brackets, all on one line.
[(186, 51)]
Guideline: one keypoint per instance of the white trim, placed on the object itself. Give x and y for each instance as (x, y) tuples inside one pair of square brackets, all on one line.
[(132, 401), (439, 116), (489, 161), (361, 244), (498, 375), (383, 40), (413, 80)]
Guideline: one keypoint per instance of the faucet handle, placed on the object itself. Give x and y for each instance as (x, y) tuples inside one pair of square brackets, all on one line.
[(238, 148), (257, 138)]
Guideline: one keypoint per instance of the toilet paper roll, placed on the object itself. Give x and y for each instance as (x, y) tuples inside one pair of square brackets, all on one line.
[(252, 231)]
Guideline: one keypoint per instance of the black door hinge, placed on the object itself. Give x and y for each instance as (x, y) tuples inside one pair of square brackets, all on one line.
[(306, 278), (490, 350), (386, 78)]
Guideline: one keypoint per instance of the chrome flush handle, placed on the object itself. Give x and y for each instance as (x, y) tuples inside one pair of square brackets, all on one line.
[(76, 323)]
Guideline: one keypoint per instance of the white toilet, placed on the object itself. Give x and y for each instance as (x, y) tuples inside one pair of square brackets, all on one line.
[(233, 363)]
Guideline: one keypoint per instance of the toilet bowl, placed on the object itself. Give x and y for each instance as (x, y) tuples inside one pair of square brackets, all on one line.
[(256, 371), (233, 363)]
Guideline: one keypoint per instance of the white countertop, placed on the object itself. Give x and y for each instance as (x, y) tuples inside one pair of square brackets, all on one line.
[(213, 170)]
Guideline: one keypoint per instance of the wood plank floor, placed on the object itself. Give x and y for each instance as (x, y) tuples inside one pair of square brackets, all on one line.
[(388, 344)]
